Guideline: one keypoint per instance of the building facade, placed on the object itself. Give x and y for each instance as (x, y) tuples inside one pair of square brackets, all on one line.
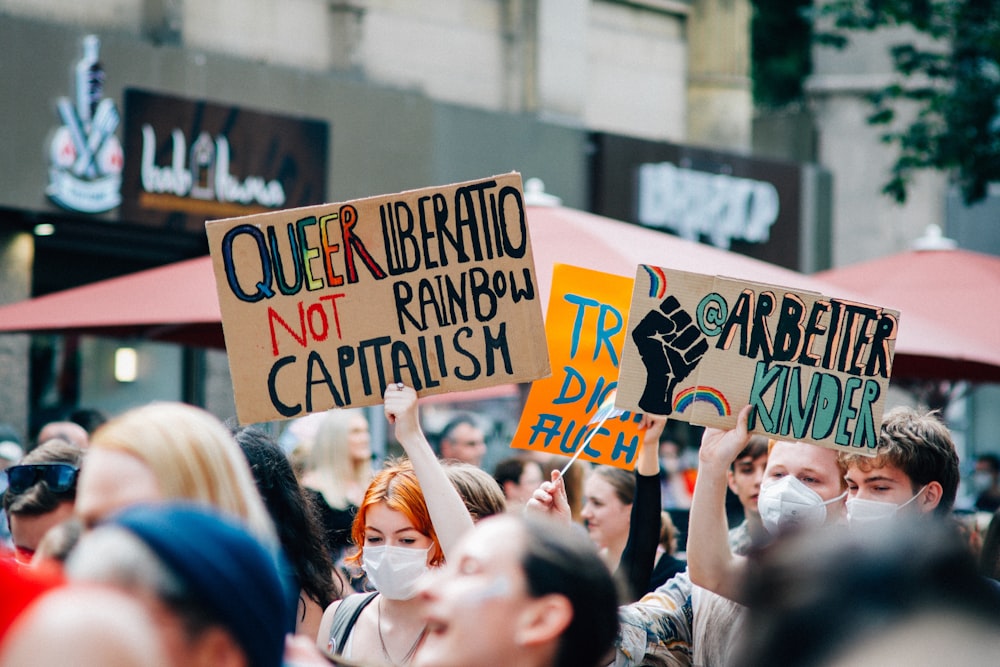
[(127, 123), (867, 224)]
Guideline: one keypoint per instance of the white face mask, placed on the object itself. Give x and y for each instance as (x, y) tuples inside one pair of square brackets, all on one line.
[(863, 511), (788, 503), (394, 571)]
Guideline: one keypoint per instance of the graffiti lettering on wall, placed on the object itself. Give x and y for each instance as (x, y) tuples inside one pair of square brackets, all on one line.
[(695, 203), (812, 368), (324, 306)]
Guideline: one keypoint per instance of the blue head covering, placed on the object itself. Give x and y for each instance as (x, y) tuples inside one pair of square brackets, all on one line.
[(236, 578)]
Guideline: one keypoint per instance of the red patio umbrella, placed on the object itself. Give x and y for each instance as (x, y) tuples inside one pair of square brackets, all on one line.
[(949, 290), (178, 302), (561, 235)]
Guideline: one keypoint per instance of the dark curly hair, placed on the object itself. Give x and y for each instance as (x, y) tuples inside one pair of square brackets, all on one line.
[(295, 518)]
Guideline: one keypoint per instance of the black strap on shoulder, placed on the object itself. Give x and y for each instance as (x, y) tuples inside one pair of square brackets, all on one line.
[(345, 616)]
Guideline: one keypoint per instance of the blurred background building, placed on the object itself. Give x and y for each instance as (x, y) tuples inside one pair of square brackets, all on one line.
[(642, 110)]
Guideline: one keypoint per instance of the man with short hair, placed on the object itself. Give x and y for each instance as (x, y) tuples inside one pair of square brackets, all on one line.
[(41, 494), (463, 440), (915, 466), (66, 431), (692, 619), (518, 476), (915, 469)]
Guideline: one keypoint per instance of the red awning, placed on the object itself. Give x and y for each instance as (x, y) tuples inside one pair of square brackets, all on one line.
[(561, 235), (178, 302), (950, 324)]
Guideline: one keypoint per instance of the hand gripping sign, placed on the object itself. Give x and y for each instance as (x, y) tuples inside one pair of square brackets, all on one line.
[(813, 368), (324, 306)]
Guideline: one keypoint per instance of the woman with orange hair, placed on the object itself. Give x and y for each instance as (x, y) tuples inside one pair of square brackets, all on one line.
[(410, 519)]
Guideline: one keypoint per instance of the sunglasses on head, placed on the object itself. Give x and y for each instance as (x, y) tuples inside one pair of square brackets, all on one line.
[(60, 477)]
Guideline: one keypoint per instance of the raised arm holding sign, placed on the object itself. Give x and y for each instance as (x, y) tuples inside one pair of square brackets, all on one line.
[(585, 330), (446, 507), (812, 368)]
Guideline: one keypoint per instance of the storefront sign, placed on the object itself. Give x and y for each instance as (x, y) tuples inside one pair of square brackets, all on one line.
[(325, 306), (85, 156), (189, 161), (749, 205), (812, 368)]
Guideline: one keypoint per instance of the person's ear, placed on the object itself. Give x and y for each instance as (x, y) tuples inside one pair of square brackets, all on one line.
[(543, 620), (930, 498), (731, 480)]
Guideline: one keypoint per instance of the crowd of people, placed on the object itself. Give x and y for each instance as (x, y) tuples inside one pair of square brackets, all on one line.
[(163, 536)]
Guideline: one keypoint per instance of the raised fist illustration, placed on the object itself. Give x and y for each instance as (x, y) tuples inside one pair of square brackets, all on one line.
[(671, 346)]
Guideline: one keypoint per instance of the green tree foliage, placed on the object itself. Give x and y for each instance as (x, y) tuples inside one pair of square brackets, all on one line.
[(954, 82), (780, 33)]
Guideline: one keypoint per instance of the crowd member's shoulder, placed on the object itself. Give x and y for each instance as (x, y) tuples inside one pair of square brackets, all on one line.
[(20, 587), (888, 576)]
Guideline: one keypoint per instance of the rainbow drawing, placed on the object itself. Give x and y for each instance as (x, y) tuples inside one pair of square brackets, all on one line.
[(707, 394), (657, 281), (606, 410)]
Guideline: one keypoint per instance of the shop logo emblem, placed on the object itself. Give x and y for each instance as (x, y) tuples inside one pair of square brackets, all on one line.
[(86, 158)]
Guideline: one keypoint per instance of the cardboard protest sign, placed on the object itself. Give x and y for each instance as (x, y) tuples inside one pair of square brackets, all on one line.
[(585, 328), (323, 306), (812, 368)]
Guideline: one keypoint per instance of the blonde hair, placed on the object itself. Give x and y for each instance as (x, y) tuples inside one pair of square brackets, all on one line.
[(329, 465), (193, 456), (480, 492)]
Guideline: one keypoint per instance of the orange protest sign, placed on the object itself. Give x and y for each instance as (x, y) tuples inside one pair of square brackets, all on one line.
[(585, 328), (324, 306)]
